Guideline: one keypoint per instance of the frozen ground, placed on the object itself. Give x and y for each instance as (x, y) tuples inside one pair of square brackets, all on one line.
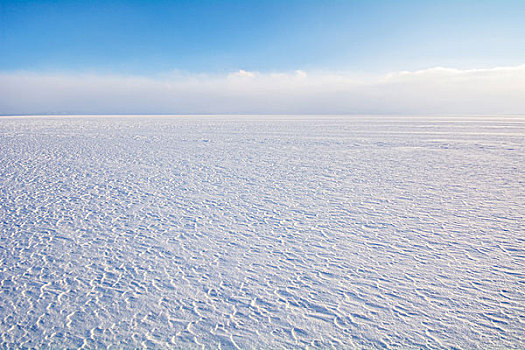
[(262, 232)]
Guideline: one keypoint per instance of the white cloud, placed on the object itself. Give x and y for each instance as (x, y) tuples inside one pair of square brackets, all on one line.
[(242, 74), (430, 91)]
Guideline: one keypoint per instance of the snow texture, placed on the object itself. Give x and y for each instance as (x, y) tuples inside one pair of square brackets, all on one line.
[(262, 232)]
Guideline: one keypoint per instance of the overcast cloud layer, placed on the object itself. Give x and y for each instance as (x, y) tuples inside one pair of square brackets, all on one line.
[(432, 91)]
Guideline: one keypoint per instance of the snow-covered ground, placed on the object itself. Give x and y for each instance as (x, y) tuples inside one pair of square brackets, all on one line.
[(262, 232)]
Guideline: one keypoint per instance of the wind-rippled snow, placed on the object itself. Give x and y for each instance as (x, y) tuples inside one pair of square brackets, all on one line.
[(262, 232)]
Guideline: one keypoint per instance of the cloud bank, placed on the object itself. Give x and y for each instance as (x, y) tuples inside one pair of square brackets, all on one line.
[(431, 91)]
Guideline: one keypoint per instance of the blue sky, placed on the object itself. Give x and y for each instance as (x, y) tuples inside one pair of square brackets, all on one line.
[(219, 36), (223, 50)]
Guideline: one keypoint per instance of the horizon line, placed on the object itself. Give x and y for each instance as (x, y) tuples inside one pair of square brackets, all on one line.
[(138, 115)]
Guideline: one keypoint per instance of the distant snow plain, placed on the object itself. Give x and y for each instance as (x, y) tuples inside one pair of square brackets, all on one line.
[(262, 232)]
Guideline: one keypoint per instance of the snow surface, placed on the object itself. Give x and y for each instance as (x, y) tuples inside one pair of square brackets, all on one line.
[(262, 232)]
